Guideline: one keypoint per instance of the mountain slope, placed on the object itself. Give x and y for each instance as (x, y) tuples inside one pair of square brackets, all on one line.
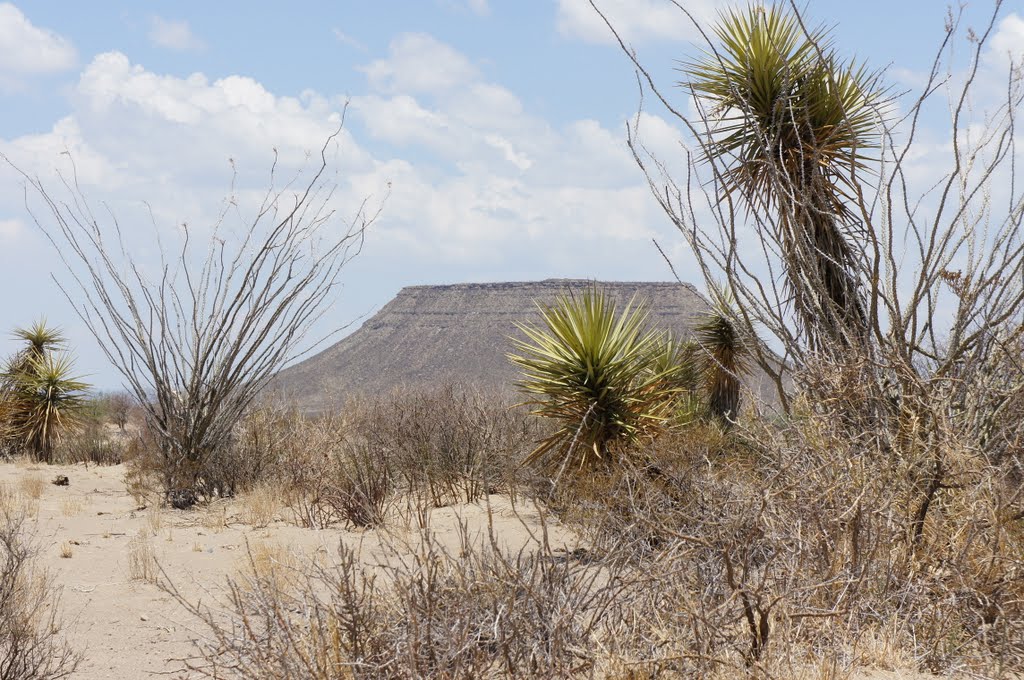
[(431, 334)]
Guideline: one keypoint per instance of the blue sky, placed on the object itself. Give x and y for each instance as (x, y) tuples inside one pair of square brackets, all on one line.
[(498, 124)]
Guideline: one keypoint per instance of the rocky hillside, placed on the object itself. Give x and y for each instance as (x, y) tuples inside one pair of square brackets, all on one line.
[(460, 333)]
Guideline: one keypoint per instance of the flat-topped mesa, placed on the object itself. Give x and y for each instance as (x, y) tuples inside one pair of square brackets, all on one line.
[(458, 333)]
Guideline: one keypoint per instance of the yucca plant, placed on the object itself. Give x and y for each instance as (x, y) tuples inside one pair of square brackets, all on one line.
[(679, 362), (40, 397), (39, 339), (793, 127), (724, 359), (592, 371)]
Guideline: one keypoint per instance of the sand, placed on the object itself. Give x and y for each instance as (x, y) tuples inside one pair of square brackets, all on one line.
[(131, 628)]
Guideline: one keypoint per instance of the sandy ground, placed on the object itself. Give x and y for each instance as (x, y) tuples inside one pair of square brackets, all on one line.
[(129, 628), (88, 539)]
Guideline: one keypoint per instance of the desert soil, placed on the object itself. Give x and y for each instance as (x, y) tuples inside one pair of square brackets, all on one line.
[(130, 628), (88, 534)]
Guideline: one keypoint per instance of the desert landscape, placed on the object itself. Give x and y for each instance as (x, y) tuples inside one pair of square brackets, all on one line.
[(107, 556), (733, 390)]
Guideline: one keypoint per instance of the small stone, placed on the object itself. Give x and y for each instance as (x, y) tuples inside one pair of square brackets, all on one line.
[(144, 617)]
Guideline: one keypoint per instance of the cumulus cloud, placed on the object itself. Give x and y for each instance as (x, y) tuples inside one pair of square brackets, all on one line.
[(418, 63), (1008, 42), (634, 20), (483, 189), (173, 35), (26, 49)]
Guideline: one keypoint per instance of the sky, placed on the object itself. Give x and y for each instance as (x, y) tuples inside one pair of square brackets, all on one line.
[(495, 128)]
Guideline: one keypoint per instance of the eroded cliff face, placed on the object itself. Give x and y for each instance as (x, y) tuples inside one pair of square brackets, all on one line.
[(460, 333)]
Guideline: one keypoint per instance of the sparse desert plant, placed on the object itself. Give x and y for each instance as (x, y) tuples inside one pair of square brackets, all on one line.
[(32, 485), (230, 309), (446, 444), (215, 516), (72, 506), (307, 470), (117, 407), (90, 443), (260, 504), (142, 564), (486, 612), (155, 518), (32, 646), (41, 398), (588, 368), (724, 358)]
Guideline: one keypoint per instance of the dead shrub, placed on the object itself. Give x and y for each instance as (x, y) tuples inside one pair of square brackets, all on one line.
[(484, 612), (451, 444), (92, 443), (332, 476), (32, 646)]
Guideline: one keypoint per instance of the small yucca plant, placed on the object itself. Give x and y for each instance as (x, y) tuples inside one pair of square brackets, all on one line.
[(40, 397), (594, 372), (724, 358)]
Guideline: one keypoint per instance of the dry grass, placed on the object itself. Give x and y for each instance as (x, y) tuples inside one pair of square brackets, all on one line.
[(72, 506), (155, 518), (142, 564), (32, 485), (10, 501), (215, 516), (32, 646), (260, 505), (271, 564), (66, 551)]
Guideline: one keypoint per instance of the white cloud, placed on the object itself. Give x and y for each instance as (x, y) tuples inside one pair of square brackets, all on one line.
[(345, 39), (634, 20), (26, 49), (482, 188), (1008, 41), (10, 229), (417, 64), (173, 35), (479, 6)]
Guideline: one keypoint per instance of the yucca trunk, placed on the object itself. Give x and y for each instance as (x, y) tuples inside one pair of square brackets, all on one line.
[(822, 273)]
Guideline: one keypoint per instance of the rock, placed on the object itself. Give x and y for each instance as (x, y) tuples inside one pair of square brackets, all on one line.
[(61, 480), (182, 499)]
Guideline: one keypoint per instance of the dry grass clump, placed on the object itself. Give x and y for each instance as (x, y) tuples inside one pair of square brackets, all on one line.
[(142, 564), (32, 485), (72, 506), (31, 644), (260, 504)]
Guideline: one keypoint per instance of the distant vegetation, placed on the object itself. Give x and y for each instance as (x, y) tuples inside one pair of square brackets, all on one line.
[(40, 399)]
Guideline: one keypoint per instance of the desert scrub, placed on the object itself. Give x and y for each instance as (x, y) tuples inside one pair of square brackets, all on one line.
[(426, 612), (32, 645)]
